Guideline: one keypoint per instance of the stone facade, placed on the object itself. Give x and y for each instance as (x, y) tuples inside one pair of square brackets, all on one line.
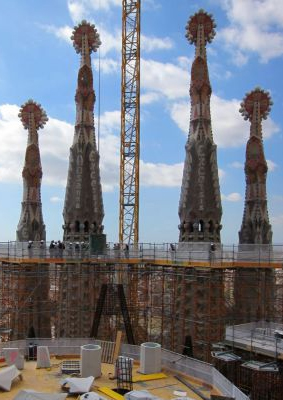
[(31, 225), (83, 210), (200, 208)]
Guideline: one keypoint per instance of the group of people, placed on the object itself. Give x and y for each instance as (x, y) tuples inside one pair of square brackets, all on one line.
[(117, 250), (35, 250), (77, 249), (57, 249)]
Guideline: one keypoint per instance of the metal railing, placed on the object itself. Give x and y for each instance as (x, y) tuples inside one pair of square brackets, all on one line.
[(260, 337), (170, 252)]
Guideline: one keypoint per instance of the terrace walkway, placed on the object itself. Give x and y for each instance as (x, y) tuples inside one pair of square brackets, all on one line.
[(184, 255)]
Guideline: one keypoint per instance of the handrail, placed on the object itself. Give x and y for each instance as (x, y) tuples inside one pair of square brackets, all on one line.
[(180, 254)]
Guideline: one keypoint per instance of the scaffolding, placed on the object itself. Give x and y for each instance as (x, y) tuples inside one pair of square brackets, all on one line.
[(186, 306)]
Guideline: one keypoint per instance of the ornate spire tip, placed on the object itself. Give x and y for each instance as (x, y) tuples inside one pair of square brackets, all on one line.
[(88, 30), (200, 18), (32, 108), (257, 95)]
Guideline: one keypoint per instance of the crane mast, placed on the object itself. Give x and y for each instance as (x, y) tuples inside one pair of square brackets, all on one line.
[(130, 123)]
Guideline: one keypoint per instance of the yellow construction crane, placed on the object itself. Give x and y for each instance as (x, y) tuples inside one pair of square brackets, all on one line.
[(130, 123)]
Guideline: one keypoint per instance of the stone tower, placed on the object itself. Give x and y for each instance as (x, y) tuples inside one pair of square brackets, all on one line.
[(200, 204), (255, 228), (254, 289), (31, 225), (83, 210), (200, 208)]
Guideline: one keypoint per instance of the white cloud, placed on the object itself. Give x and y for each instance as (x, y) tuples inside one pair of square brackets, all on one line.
[(151, 43), (107, 65), (271, 165), (77, 10), (180, 113), (112, 41), (221, 174), (219, 72), (233, 197), (255, 26), (161, 174), (110, 123), (237, 164), (167, 79), (56, 199), (228, 131), (185, 63), (110, 162), (80, 9), (55, 140), (151, 4), (63, 32), (149, 97)]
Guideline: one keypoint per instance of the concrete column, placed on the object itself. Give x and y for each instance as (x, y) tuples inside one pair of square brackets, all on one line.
[(150, 358), (91, 360)]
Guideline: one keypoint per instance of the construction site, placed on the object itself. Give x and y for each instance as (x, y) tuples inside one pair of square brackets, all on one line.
[(192, 306), (198, 298)]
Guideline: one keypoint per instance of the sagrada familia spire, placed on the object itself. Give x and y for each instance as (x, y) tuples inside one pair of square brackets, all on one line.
[(200, 204), (254, 290), (31, 225), (83, 210), (255, 228), (200, 208)]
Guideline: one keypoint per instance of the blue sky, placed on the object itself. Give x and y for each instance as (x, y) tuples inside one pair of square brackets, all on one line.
[(37, 61)]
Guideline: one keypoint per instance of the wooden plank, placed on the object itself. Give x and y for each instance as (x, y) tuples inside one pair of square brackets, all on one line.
[(109, 392), (117, 345), (148, 377)]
